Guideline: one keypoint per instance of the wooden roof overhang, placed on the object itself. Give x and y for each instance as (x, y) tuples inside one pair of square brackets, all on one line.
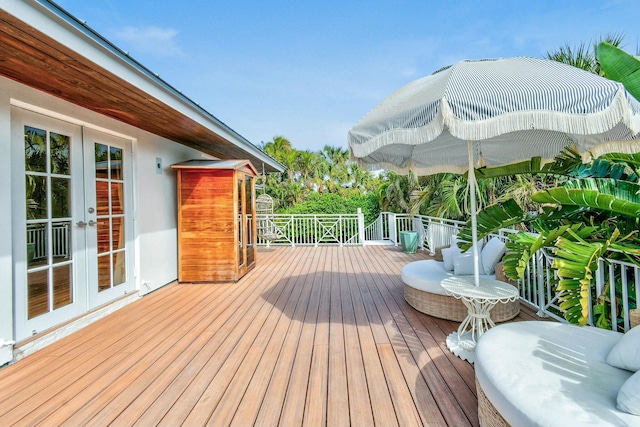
[(73, 62)]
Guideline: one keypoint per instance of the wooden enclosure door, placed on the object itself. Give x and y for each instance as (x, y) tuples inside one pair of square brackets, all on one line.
[(246, 232), (249, 220), (241, 235)]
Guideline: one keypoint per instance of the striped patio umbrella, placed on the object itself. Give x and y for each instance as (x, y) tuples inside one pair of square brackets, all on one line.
[(495, 112)]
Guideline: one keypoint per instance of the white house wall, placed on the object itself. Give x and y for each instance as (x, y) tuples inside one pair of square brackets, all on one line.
[(157, 193), (154, 194), (6, 258)]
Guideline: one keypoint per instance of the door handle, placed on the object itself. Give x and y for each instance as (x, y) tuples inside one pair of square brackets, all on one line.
[(83, 224)]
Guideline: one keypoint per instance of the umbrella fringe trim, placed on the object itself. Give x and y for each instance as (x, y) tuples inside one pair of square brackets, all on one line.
[(619, 111), (623, 147)]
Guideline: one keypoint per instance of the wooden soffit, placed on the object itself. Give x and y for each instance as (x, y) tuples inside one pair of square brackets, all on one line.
[(31, 57)]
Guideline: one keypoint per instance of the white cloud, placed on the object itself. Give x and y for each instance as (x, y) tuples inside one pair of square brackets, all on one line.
[(153, 40)]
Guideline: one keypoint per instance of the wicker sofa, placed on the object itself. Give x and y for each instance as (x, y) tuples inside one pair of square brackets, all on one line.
[(422, 280), (553, 374)]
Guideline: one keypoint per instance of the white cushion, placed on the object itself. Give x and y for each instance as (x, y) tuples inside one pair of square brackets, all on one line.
[(463, 262), (491, 254), (626, 354), (448, 254), (426, 275), (629, 395), (551, 374)]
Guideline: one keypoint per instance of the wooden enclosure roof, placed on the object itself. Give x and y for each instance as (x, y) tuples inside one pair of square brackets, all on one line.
[(244, 165)]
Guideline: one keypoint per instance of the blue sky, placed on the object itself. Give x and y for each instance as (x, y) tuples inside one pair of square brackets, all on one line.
[(309, 70)]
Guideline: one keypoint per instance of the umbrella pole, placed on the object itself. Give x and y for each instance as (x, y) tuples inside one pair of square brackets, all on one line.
[(474, 224)]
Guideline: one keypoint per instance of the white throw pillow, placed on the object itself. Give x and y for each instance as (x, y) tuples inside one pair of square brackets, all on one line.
[(448, 254), (491, 255), (626, 353), (463, 264), (629, 395)]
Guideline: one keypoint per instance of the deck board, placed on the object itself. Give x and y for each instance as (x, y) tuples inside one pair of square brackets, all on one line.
[(312, 336)]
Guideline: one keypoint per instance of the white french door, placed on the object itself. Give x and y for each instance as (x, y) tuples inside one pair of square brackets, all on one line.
[(108, 216), (72, 225)]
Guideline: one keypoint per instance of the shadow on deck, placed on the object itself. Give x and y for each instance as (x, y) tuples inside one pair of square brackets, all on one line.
[(314, 336)]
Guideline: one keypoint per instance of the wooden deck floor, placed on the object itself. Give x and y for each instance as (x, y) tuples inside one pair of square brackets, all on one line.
[(313, 336)]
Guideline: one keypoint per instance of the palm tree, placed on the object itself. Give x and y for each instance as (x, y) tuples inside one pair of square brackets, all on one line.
[(449, 197), (320, 172), (360, 177), (306, 163), (396, 192), (278, 147), (583, 56), (335, 155)]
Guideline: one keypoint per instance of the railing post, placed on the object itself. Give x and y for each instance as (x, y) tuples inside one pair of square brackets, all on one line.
[(361, 235), (292, 234), (418, 226), (541, 285), (392, 228)]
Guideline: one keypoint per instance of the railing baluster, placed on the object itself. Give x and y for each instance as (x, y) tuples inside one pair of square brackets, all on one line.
[(612, 297), (625, 297)]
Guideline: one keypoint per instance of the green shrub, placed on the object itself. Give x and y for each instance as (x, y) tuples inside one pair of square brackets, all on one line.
[(331, 203)]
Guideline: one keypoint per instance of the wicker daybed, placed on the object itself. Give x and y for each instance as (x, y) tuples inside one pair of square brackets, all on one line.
[(423, 292), (555, 374)]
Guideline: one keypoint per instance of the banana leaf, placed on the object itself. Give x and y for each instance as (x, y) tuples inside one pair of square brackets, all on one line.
[(522, 246), (528, 166), (491, 219), (632, 160), (610, 195), (575, 263), (563, 164), (601, 168), (618, 65)]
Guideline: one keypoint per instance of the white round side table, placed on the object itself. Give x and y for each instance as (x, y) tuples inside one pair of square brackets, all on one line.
[(479, 301)]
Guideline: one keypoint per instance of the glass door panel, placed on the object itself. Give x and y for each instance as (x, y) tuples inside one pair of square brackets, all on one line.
[(109, 216), (110, 212), (249, 218), (49, 252), (240, 194)]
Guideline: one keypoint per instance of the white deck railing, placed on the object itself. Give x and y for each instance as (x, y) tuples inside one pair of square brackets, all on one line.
[(535, 287), (310, 230), (60, 240)]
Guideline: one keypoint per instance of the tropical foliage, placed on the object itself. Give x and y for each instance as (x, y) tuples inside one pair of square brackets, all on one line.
[(584, 56), (309, 174), (581, 213), (593, 214), (618, 65)]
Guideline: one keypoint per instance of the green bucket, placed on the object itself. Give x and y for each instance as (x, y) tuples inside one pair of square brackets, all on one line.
[(409, 241)]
